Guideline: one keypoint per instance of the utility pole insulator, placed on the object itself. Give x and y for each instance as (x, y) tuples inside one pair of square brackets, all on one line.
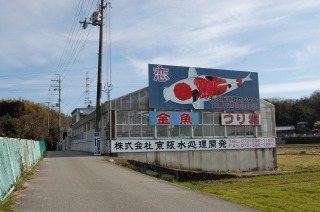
[(84, 23)]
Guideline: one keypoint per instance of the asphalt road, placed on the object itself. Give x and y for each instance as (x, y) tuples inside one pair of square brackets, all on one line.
[(76, 181)]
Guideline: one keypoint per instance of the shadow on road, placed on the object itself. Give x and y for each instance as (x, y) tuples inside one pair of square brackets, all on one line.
[(63, 154)]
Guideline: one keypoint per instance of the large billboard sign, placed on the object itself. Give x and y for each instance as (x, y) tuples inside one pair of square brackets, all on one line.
[(178, 87)]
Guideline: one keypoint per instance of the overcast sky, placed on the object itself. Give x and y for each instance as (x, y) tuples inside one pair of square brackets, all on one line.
[(39, 39)]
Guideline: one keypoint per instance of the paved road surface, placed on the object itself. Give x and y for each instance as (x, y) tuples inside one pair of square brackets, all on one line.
[(76, 181)]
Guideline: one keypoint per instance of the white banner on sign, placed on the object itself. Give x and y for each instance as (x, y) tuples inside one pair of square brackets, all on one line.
[(172, 145), (240, 119), (96, 149)]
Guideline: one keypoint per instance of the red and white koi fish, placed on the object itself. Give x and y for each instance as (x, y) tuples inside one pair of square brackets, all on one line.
[(196, 89)]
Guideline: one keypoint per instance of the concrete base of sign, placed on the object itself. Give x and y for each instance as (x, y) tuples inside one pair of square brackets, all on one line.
[(210, 161), (187, 175)]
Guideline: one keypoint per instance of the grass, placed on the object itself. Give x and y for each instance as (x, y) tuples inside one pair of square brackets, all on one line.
[(299, 162), (291, 192), (8, 203), (299, 191), (298, 149)]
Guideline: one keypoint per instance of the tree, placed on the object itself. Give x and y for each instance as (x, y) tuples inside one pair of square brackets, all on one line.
[(10, 126), (292, 111), (32, 126), (14, 108), (314, 104), (25, 119), (283, 111)]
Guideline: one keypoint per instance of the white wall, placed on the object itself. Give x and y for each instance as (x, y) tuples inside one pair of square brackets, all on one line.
[(86, 144), (216, 160)]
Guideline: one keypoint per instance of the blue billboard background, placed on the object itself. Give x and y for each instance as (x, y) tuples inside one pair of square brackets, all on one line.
[(178, 87)]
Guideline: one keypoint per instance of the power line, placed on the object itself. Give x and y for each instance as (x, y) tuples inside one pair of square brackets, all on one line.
[(71, 38), (72, 62), (68, 40), (76, 41), (108, 49), (42, 72), (82, 94)]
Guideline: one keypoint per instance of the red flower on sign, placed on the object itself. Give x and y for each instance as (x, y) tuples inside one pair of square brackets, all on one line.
[(163, 118)]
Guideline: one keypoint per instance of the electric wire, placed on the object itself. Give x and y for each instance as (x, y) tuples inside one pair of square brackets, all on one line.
[(97, 6), (75, 43), (73, 38), (108, 47), (83, 93), (74, 47), (109, 22), (66, 47), (71, 32)]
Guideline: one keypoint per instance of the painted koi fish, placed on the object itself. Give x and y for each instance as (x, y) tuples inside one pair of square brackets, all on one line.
[(196, 89)]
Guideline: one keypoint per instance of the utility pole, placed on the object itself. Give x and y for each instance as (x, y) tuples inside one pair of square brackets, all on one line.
[(99, 80), (58, 104), (97, 20)]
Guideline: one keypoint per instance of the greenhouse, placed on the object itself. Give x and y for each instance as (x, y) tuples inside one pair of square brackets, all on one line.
[(236, 133)]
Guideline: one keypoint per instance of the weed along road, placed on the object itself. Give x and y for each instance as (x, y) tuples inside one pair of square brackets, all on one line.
[(77, 181)]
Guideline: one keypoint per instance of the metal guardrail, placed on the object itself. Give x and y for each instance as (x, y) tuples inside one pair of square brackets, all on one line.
[(16, 157)]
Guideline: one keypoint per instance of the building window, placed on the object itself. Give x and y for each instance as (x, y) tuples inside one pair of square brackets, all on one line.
[(209, 125), (163, 131), (240, 131), (231, 131), (219, 130), (250, 131), (133, 124), (185, 131)]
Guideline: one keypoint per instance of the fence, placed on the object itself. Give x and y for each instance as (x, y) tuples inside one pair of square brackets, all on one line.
[(307, 139), (16, 157)]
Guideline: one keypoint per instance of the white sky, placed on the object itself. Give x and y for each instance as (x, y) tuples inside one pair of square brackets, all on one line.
[(279, 39)]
